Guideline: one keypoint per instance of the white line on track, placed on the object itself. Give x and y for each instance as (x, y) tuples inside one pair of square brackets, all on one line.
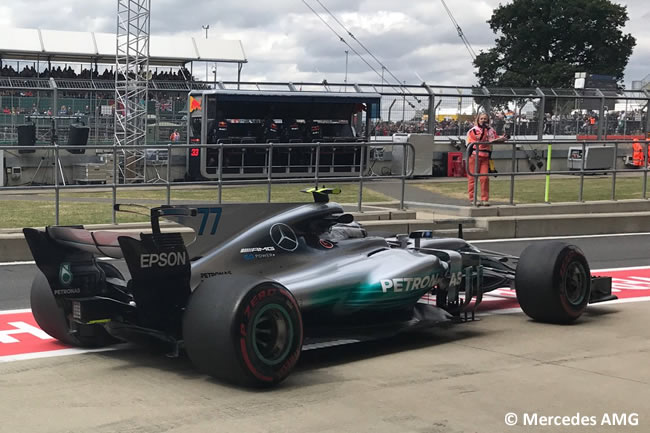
[(54, 353), (555, 238), (32, 262), (631, 268), (519, 310), (24, 310)]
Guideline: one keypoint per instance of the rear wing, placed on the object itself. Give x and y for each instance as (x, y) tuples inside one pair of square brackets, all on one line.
[(70, 272), (160, 273), (164, 211)]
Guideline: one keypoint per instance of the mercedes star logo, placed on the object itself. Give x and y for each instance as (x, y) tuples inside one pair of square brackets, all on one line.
[(284, 237)]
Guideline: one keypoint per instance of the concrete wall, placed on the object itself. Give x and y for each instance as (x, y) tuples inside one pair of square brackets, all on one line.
[(565, 225)]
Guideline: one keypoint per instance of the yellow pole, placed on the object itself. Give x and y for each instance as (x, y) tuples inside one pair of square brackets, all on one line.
[(548, 174)]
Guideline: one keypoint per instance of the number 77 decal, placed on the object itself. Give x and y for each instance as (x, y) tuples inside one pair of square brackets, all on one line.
[(207, 211)]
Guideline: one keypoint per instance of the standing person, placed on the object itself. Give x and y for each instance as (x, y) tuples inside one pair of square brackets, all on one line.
[(638, 160), (483, 134), (637, 154)]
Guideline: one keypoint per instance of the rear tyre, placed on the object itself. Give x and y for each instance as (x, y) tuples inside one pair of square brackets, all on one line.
[(553, 282), (51, 318), (251, 338)]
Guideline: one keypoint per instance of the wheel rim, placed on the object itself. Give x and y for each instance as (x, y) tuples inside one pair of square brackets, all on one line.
[(272, 334), (575, 283)]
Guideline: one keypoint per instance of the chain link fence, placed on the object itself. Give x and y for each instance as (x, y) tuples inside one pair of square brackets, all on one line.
[(445, 111)]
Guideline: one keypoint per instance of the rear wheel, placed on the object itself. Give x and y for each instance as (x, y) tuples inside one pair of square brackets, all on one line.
[(252, 338), (553, 282), (48, 314)]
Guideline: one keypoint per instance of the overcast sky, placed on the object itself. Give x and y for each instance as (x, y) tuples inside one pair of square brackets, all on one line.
[(285, 41)]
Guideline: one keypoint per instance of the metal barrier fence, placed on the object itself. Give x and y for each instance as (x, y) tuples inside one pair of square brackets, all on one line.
[(450, 110), (316, 176), (581, 171)]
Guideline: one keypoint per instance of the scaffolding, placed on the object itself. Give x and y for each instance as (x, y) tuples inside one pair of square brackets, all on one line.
[(131, 85)]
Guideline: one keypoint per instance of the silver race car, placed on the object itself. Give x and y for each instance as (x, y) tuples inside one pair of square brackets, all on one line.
[(260, 282)]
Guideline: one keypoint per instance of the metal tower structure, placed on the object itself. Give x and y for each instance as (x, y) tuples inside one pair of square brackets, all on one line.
[(131, 85)]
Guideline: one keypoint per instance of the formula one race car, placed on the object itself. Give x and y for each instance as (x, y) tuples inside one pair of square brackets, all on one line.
[(259, 281)]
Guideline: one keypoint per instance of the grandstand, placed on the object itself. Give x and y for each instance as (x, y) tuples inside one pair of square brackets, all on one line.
[(46, 73)]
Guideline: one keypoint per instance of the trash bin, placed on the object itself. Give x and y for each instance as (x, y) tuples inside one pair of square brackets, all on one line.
[(596, 158), (455, 165)]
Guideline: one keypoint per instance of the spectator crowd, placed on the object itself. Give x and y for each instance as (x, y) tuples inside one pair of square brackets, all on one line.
[(67, 72), (578, 122)]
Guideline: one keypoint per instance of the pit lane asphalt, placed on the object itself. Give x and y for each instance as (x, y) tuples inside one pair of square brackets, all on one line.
[(464, 378), (602, 252)]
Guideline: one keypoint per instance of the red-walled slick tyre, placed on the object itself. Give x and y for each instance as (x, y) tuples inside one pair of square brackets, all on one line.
[(250, 338)]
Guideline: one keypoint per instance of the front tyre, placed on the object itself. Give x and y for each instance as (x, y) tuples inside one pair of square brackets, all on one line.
[(553, 282), (251, 338)]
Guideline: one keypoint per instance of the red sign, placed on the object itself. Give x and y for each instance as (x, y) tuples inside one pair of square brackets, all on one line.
[(19, 334), (195, 104), (21, 337), (609, 137)]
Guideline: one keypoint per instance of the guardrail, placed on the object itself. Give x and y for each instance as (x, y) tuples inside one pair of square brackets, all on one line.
[(582, 171), (317, 177)]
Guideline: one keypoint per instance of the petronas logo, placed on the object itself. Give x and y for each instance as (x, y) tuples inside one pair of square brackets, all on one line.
[(65, 274)]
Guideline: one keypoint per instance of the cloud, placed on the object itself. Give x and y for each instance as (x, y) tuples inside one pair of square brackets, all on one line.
[(285, 41)]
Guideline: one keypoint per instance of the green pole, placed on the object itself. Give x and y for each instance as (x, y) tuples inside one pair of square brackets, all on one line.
[(548, 174)]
